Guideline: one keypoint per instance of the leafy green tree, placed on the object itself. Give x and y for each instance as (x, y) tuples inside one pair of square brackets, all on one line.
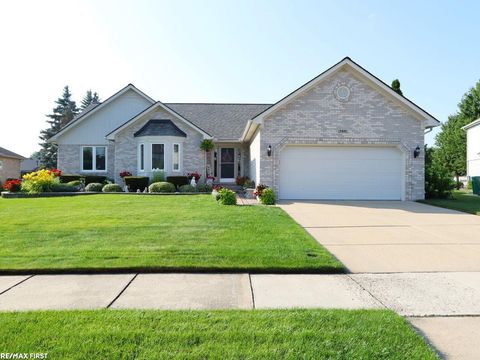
[(89, 98), (396, 86), (63, 113), (438, 179), (452, 140)]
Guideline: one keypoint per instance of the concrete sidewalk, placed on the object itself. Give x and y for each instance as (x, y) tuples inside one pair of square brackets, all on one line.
[(444, 307), (409, 294)]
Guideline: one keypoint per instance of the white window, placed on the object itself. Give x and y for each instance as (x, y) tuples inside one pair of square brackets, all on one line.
[(158, 156), (176, 157), (94, 158), (142, 157)]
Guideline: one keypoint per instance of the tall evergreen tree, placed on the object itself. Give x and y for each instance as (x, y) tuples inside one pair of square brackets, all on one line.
[(452, 141), (396, 86), (63, 113), (90, 97)]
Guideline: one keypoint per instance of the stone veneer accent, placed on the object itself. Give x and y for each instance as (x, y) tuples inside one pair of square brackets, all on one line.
[(10, 169), (126, 153), (370, 118)]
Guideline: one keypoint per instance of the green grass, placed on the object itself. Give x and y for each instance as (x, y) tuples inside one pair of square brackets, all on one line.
[(153, 233), (275, 334), (461, 201)]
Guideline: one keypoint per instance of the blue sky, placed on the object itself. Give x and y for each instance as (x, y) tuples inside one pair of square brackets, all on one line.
[(225, 51)]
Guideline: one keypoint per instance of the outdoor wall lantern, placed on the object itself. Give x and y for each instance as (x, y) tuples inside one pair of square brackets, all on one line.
[(269, 150), (416, 152)]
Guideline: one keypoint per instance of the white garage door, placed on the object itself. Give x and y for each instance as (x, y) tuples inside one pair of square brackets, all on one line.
[(340, 173)]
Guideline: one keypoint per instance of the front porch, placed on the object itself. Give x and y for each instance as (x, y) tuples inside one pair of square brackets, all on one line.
[(227, 161)]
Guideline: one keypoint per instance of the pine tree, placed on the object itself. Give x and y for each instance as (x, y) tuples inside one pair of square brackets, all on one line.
[(63, 113), (89, 98), (396, 86)]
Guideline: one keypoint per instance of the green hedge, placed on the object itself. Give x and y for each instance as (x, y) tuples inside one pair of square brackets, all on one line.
[(161, 187), (66, 178), (178, 180), (135, 183), (112, 188)]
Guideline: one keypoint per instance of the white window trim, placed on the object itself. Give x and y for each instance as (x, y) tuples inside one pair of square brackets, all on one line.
[(151, 156), (179, 157), (140, 169), (94, 159)]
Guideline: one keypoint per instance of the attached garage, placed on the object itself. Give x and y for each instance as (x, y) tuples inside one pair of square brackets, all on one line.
[(341, 173)]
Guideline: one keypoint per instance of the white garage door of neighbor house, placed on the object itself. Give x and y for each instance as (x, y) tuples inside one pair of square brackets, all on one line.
[(341, 173)]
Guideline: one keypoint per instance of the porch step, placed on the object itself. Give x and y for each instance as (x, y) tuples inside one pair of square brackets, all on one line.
[(233, 187)]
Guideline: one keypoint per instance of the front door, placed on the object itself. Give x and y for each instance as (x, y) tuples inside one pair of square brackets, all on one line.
[(227, 164)]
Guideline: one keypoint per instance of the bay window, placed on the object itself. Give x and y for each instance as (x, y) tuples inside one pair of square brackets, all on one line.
[(158, 156), (94, 158), (176, 157)]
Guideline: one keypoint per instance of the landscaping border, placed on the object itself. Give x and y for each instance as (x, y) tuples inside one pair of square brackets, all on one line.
[(9, 195)]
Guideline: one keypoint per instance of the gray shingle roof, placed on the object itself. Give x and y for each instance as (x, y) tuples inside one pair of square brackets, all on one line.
[(160, 128), (7, 153), (223, 121)]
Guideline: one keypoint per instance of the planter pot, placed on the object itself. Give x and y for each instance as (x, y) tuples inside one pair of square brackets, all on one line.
[(249, 193)]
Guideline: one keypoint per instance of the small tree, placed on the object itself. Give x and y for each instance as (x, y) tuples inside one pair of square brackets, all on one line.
[(438, 179), (63, 113), (396, 86)]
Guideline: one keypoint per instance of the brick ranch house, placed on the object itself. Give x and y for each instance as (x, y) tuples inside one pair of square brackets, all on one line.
[(343, 135)]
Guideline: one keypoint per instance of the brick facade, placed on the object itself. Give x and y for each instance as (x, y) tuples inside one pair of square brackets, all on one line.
[(368, 118), (10, 168)]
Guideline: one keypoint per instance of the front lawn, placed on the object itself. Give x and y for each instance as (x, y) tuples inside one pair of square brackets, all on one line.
[(274, 334), (153, 233), (461, 201)]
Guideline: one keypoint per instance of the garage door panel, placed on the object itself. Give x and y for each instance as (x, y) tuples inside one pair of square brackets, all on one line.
[(335, 173)]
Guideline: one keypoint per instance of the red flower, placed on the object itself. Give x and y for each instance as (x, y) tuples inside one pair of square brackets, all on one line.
[(13, 185), (125, 173), (195, 175), (259, 190), (55, 172), (217, 187)]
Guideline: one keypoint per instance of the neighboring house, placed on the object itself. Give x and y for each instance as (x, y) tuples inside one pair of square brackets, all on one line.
[(473, 148), (9, 165), (343, 135), (29, 165)]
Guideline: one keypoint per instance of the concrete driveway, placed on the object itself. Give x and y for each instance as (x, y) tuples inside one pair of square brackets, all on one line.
[(391, 236)]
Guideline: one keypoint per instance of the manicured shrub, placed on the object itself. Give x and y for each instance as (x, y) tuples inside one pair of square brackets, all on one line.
[(74, 183), (13, 185), (66, 178), (112, 188), (268, 197), (469, 185), (227, 197), (95, 179), (39, 181), (204, 188), (60, 187), (135, 183), (178, 180), (187, 188), (94, 187), (161, 187), (158, 176)]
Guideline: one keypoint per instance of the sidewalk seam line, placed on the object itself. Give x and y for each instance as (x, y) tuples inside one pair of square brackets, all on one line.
[(11, 287), (251, 291), (122, 291), (364, 289)]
